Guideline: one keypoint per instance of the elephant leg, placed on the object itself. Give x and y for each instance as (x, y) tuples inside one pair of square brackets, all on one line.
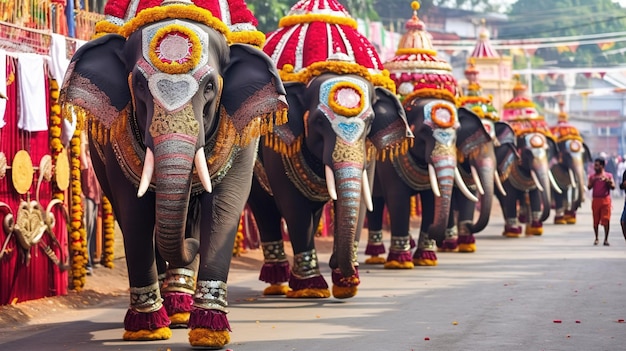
[(425, 254), (220, 213), (466, 240), (275, 269), (535, 226), (399, 207), (508, 203), (375, 246), (570, 210), (559, 207)]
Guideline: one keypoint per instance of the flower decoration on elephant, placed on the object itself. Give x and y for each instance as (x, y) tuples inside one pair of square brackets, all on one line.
[(416, 69), (235, 14), (522, 115)]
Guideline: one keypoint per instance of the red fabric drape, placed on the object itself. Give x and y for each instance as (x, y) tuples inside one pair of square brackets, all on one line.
[(40, 278)]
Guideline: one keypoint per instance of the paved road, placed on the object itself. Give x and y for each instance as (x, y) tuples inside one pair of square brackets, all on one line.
[(552, 292)]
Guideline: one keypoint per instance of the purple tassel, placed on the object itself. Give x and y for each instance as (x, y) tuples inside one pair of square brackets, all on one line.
[(466, 239), (425, 255), (316, 282), (275, 272), (209, 319), (449, 244), (513, 230), (177, 302), (402, 256), (521, 218), (412, 243), (536, 224), (375, 249), (340, 280), (136, 321)]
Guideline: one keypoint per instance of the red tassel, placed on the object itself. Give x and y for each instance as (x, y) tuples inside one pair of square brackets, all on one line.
[(275, 272), (209, 319), (466, 239), (425, 255), (136, 321), (375, 249), (317, 282), (340, 280), (449, 244), (177, 302), (403, 256)]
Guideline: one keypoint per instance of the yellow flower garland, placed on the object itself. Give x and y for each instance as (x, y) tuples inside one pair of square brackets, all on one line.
[(343, 110), (175, 67), (238, 247), (309, 18), (78, 236), (108, 224), (105, 27), (415, 51), (431, 93), (255, 38), (178, 11)]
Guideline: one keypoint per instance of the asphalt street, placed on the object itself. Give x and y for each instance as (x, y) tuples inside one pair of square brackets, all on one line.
[(552, 292)]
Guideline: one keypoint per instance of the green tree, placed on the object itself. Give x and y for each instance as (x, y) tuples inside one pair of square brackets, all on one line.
[(269, 12)]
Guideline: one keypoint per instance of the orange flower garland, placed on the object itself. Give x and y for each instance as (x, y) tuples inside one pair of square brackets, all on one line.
[(174, 67), (238, 247), (108, 224), (335, 105), (78, 236)]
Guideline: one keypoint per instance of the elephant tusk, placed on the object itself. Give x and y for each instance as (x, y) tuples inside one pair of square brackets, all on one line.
[(555, 185), (479, 185), (499, 183), (330, 182), (367, 194), (572, 178), (462, 186), (536, 180), (433, 180), (203, 170), (146, 173)]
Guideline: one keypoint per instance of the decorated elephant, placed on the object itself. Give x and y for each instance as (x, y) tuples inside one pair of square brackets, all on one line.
[(342, 113), (174, 116), (569, 171), (530, 180), (429, 168), (479, 167)]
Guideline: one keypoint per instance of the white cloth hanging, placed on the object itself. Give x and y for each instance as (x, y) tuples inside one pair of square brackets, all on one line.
[(33, 106), (3, 86), (58, 57)]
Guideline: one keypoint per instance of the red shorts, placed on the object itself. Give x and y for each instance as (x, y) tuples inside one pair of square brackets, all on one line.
[(601, 209)]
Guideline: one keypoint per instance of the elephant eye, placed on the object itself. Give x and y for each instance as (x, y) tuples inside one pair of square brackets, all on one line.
[(209, 87)]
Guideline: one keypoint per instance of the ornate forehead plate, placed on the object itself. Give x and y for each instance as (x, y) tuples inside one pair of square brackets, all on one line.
[(440, 114), (345, 101)]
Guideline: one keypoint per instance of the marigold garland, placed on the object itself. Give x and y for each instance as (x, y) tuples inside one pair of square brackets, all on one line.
[(108, 228), (415, 51), (293, 20), (78, 236), (343, 110), (431, 93), (105, 27), (255, 38), (177, 11), (439, 122), (238, 248), (175, 67)]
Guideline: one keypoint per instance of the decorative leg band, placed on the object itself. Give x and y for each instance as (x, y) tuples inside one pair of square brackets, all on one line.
[(345, 287), (275, 268), (178, 288), (146, 318), (425, 254), (466, 240), (375, 247), (450, 242), (208, 322), (399, 253), (305, 280), (536, 226), (511, 228), (570, 217)]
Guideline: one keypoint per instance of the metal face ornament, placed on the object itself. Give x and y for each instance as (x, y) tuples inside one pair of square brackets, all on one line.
[(346, 103)]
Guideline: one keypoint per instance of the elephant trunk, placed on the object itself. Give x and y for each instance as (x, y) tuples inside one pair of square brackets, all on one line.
[(444, 165), (174, 156), (486, 169), (541, 169), (349, 182)]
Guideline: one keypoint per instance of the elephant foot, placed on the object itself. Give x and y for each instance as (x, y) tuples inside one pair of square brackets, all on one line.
[(560, 220), (512, 231), (374, 249), (467, 243), (570, 217), (139, 326), (449, 245), (178, 306), (209, 328), (275, 290), (313, 287), (375, 260), (535, 228), (345, 287), (425, 258), (275, 272), (399, 260), (522, 218)]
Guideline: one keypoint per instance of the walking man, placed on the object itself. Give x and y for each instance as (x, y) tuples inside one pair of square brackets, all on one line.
[(601, 183)]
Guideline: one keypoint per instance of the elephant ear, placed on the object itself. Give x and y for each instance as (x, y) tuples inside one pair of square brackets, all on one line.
[(506, 152), (472, 135), (587, 153), (252, 92), (390, 132), (96, 82), (287, 138), (505, 134)]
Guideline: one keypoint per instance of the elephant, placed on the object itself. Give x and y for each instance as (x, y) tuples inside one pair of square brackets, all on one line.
[(569, 171), (174, 115), (481, 170), (429, 169), (530, 180), (332, 159)]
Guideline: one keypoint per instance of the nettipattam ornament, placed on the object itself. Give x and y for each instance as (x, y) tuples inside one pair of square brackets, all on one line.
[(320, 36), (522, 115), (416, 69)]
